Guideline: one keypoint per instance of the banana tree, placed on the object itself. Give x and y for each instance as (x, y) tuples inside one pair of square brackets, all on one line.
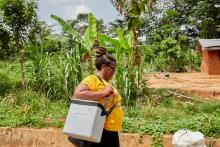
[(126, 74), (133, 10), (68, 62), (84, 42)]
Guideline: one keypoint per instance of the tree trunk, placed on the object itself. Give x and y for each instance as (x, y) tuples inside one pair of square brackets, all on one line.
[(136, 50), (21, 60)]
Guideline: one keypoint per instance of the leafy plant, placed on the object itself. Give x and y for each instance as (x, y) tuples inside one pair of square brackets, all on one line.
[(133, 11), (19, 16), (5, 84), (129, 78), (167, 53), (84, 43), (58, 73)]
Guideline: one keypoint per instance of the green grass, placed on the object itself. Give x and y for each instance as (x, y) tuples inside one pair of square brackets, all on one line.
[(31, 109), (12, 69), (166, 114)]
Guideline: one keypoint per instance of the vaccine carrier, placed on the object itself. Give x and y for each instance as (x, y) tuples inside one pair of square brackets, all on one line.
[(85, 120)]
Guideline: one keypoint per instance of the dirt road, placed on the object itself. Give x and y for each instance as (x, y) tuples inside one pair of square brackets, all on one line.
[(207, 86)]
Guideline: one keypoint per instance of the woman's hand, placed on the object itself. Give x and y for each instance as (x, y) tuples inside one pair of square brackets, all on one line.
[(108, 90)]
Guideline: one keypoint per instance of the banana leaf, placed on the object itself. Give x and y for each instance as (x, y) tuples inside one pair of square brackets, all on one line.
[(73, 33), (123, 42), (67, 28), (104, 38), (91, 32)]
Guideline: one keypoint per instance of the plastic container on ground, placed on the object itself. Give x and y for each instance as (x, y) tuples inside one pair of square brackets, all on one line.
[(186, 138), (85, 120)]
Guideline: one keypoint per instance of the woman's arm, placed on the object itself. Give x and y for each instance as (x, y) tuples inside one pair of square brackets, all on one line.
[(82, 91)]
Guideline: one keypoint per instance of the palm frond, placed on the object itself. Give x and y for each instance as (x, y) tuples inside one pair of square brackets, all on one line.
[(119, 5), (132, 7)]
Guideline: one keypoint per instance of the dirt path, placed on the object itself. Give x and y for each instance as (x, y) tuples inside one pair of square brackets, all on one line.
[(207, 86), (53, 137)]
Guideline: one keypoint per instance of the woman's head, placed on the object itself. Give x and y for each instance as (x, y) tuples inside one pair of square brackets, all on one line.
[(105, 63)]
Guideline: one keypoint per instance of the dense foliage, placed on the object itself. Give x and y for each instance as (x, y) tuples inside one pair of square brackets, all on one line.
[(18, 17)]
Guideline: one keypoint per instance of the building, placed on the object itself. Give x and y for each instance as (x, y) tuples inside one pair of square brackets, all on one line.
[(210, 56)]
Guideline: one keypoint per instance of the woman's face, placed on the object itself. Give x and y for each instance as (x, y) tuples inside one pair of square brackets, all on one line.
[(109, 71)]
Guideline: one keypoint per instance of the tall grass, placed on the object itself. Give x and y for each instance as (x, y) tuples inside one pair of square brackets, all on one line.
[(11, 69), (5, 84), (56, 73), (9, 75)]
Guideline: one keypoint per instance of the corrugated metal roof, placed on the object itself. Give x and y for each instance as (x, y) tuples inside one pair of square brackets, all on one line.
[(210, 44)]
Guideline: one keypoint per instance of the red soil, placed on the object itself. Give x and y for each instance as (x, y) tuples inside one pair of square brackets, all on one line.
[(201, 84)]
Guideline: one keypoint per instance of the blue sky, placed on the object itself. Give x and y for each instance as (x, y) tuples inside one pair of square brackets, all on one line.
[(68, 9)]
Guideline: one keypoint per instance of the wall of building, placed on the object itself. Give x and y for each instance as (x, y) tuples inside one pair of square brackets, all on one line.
[(210, 62), (204, 62)]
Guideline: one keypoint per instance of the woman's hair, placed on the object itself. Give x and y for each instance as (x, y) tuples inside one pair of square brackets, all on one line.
[(102, 57)]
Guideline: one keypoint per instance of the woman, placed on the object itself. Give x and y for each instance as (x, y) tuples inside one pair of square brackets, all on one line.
[(96, 88)]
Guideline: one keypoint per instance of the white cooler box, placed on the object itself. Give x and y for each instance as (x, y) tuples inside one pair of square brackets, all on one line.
[(85, 120)]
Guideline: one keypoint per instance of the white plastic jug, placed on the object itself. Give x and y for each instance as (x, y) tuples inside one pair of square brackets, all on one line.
[(186, 138), (85, 120)]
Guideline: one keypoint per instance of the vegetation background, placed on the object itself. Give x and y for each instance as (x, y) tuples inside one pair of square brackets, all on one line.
[(39, 69)]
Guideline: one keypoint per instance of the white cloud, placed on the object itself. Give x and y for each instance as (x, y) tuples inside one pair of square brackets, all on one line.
[(70, 12), (57, 1)]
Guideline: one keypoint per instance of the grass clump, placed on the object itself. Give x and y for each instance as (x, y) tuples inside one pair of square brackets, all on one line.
[(11, 69), (161, 113), (5, 84), (31, 109)]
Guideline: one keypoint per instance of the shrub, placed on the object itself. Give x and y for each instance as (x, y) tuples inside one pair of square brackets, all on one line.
[(5, 84), (31, 109)]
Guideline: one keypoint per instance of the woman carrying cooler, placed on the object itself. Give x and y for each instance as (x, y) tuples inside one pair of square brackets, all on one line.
[(96, 88)]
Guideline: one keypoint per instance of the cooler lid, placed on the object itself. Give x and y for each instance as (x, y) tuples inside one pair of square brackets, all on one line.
[(87, 103)]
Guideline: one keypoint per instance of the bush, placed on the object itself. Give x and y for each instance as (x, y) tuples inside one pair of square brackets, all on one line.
[(31, 109), (33, 99), (5, 84)]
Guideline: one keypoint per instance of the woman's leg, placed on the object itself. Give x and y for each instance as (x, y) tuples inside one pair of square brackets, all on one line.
[(79, 142), (109, 139)]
